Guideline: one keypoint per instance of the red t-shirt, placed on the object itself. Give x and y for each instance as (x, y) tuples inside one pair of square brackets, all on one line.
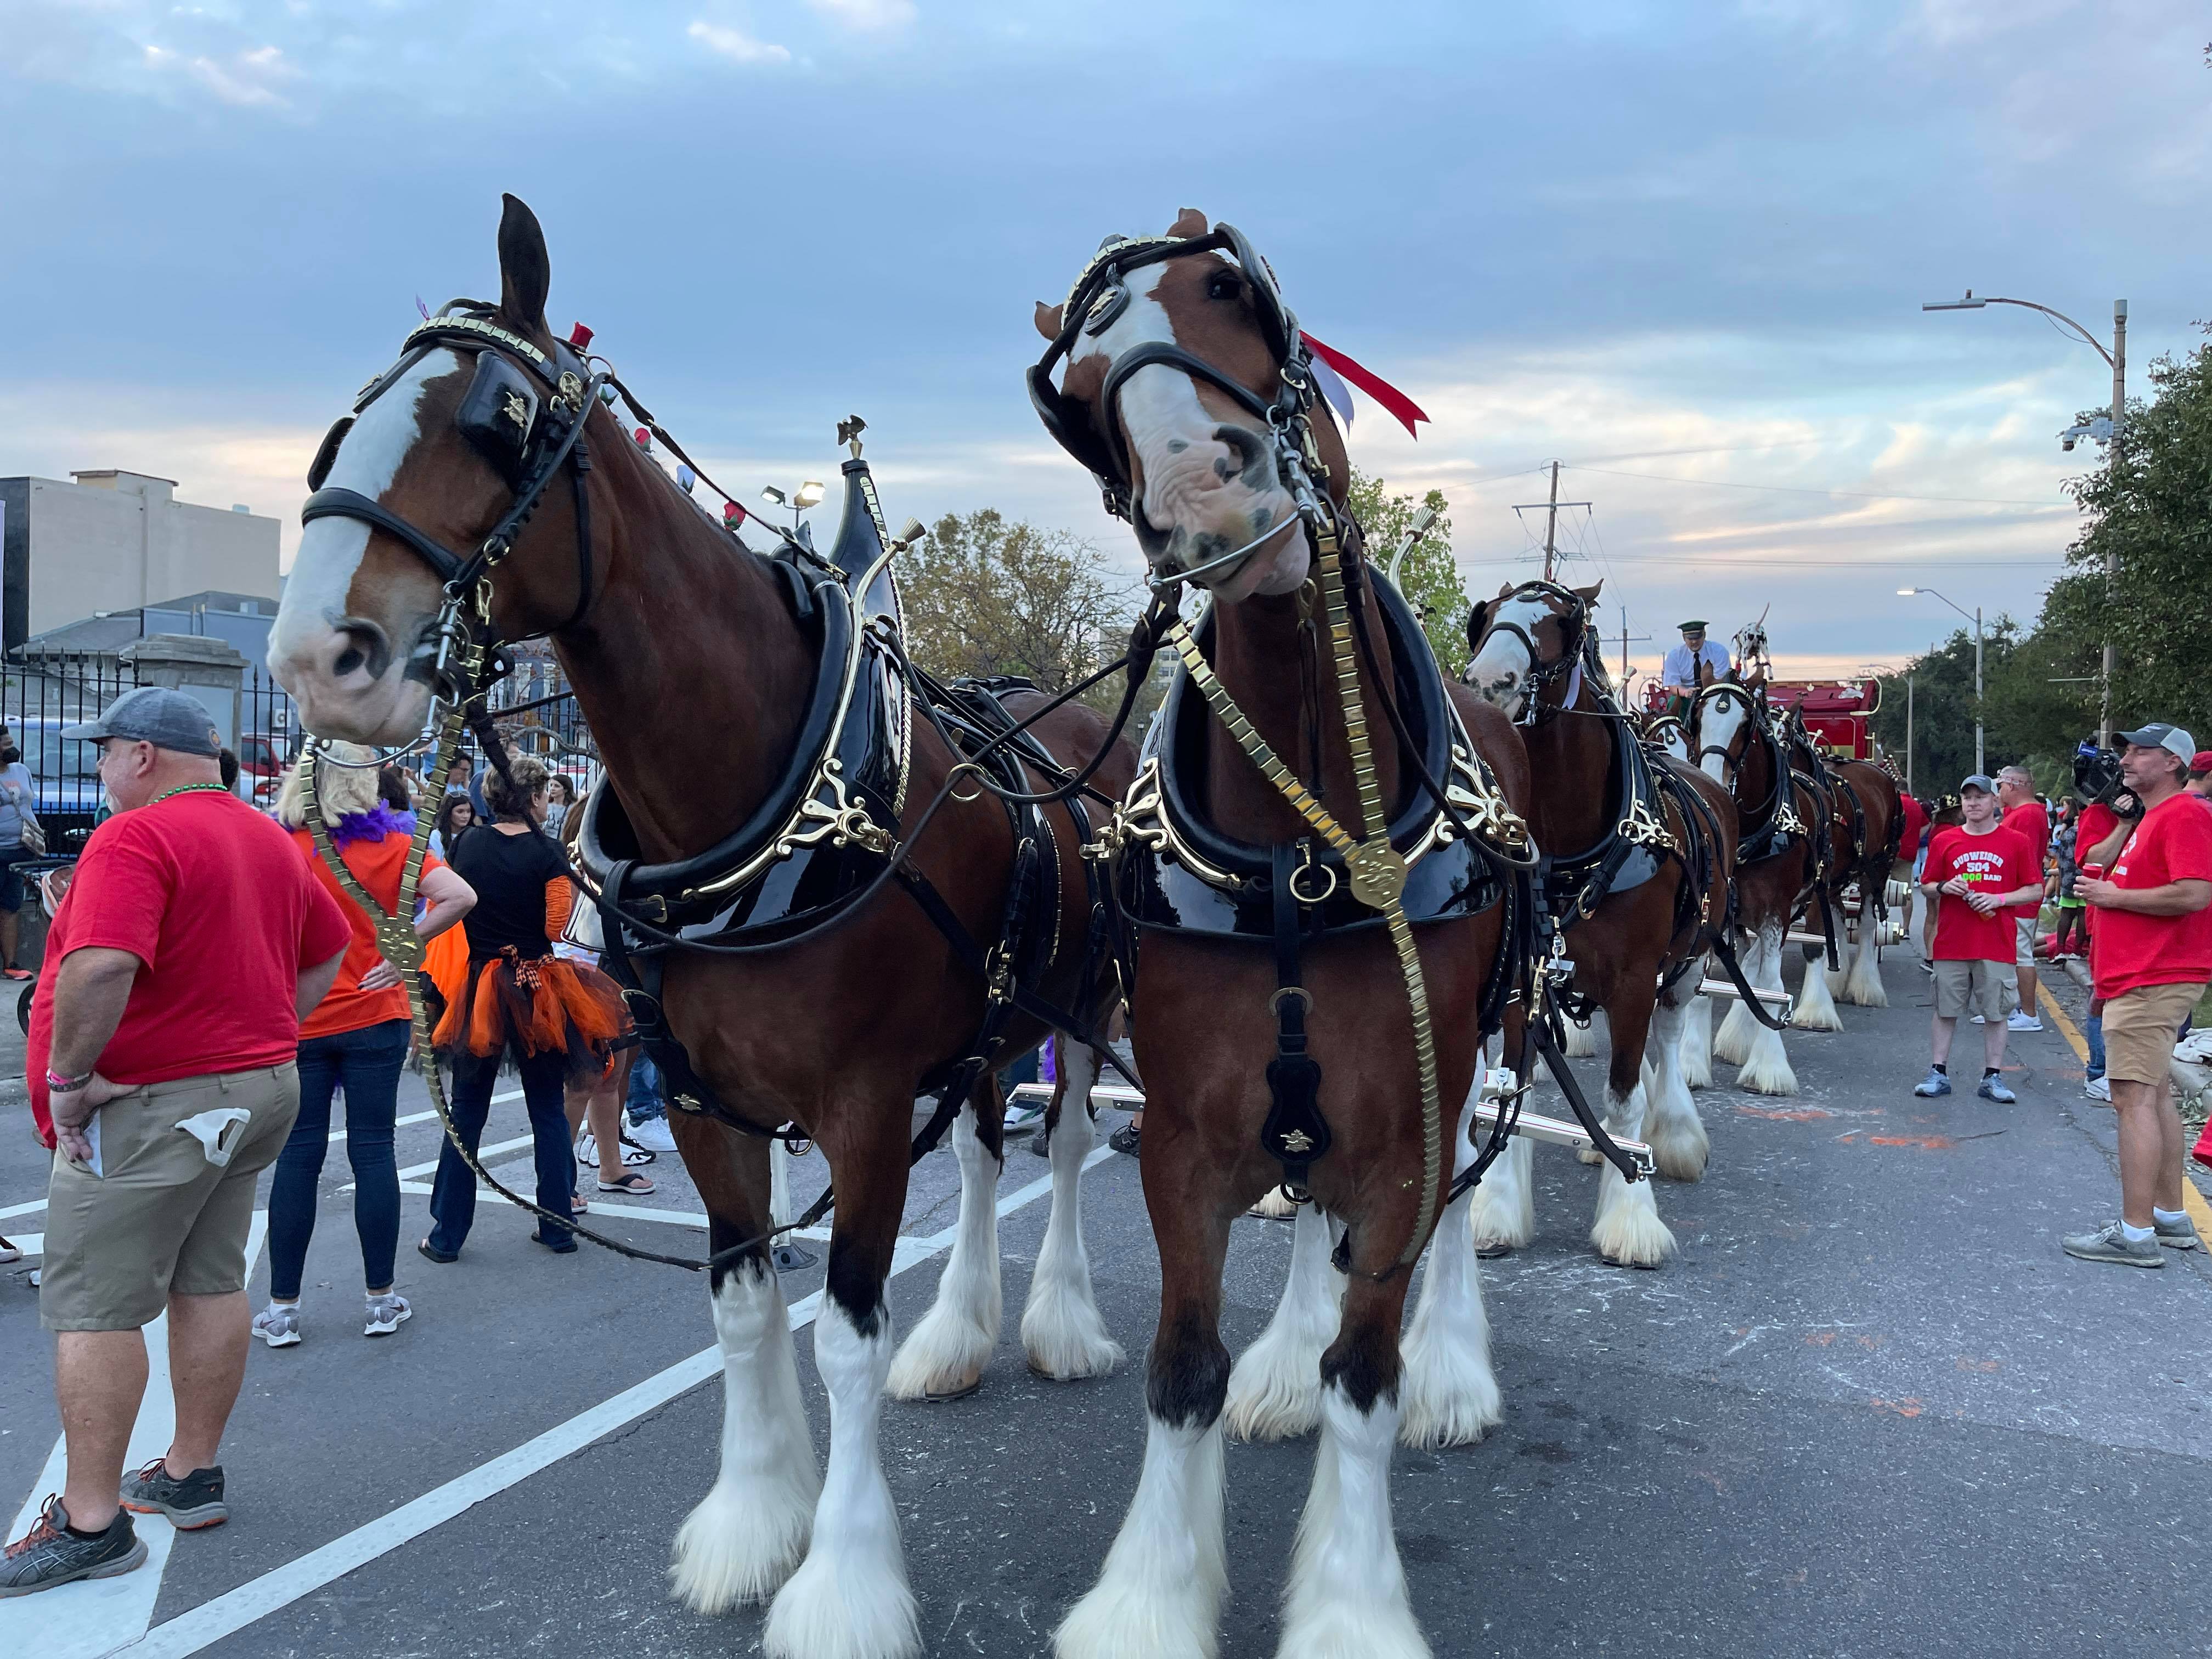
[(1997, 862), (2173, 842), (1916, 820), (377, 866), (2096, 821), (2033, 825), (211, 897)]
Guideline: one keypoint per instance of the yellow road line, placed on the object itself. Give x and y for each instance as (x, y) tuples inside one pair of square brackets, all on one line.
[(2192, 1200)]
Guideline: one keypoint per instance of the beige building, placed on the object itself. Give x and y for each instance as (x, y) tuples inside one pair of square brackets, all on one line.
[(114, 540)]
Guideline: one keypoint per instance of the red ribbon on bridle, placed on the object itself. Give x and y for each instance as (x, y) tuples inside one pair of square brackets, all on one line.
[(1403, 408)]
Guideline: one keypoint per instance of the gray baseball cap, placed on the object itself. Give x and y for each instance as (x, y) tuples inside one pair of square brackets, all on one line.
[(1979, 781), (155, 715), (2159, 735)]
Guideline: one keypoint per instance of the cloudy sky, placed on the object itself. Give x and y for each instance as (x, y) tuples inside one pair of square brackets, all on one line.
[(1679, 248)]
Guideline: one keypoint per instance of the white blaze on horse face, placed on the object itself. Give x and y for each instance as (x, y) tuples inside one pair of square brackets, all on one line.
[(306, 646), (1719, 721), (1500, 672), (1209, 497)]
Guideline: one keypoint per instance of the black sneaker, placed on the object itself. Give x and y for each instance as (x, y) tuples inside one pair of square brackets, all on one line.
[(51, 1554), (193, 1503)]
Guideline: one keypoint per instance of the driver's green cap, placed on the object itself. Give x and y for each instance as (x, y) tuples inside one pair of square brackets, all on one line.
[(1694, 627)]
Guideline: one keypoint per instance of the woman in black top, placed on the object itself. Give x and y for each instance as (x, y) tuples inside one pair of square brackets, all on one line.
[(517, 1001)]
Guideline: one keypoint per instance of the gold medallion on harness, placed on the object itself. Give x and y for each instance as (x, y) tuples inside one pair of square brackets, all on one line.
[(1379, 874)]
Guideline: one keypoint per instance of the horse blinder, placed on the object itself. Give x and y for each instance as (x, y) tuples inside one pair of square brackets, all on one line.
[(498, 414), (318, 469)]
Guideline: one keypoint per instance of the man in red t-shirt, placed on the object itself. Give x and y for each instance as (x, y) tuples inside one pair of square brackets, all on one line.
[(161, 1061), (1976, 870), (2097, 837), (2025, 816), (2152, 963)]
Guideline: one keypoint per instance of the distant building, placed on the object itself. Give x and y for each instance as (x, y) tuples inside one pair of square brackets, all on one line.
[(116, 541)]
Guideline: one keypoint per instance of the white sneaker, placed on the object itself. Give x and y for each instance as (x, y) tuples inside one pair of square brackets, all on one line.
[(1979, 1020), (652, 1135), (2019, 1020), (386, 1314), (2098, 1088), (587, 1149)]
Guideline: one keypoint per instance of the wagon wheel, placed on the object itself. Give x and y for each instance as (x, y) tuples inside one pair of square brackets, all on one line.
[(23, 1007)]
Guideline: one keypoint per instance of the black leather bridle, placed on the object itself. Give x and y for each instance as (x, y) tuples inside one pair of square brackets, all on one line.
[(1101, 294), (529, 438), (1542, 674)]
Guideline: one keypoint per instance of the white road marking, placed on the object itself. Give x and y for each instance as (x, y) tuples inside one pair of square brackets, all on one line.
[(23, 1209), (94, 1617), (193, 1632)]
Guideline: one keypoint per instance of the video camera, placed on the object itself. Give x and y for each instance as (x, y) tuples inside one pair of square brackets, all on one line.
[(2097, 778)]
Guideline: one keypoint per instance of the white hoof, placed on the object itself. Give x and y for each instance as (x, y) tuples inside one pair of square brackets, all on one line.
[(1816, 1008), (1581, 1042), (1733, 1040), (1277, 1206), (1678, 1146), (1274, 1388), (945, 1355), (1629, 1232), (1065, 1333), (1448, 1393), (1504, 1214), (1365, 1631), (1347, 1597), (833, 1609), (738, 1547), (1766, 1069)]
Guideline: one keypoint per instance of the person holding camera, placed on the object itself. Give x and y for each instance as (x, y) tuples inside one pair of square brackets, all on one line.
[(2151, 962), (1976, 871)]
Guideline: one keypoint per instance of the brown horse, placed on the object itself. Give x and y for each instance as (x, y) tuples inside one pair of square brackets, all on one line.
[(1642, 916), (1734, 742), (1869, 788), (1188, 394), (694, 674)]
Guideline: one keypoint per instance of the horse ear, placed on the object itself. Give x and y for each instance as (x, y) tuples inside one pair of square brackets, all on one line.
[(525, 271), (1588, 595), (1477, 620), (1189, 223), (1504, 588), (1049, 319)]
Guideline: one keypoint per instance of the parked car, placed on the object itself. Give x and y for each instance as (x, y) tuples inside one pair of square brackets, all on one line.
[(263, 762), (67, 793)]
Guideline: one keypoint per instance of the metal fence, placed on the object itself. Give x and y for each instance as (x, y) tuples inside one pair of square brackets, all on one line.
[(39, 697)]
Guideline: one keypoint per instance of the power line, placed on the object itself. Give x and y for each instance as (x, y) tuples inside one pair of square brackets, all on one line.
[(1798, 489)]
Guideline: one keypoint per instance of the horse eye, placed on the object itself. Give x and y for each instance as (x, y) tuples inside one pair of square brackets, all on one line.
[(1222, 286)]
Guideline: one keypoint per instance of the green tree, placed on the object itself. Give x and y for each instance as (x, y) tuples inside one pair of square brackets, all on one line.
[(2138, 569), (1429, 579), (985, 596)]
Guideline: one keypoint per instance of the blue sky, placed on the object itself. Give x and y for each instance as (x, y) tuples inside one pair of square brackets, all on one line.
[(1681, 249)]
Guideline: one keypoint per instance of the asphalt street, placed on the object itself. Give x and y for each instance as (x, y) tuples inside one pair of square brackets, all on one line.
[(1870, 1409)]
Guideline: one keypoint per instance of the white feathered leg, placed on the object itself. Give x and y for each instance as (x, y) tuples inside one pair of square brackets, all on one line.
[(849, 1598), (1732, 1042), (947, 1351), (1766, 1069), (1628, 1230), (1815, 1009), (751, 1529), (1274, 1388), (1159, 1594), (1062, 1326), (1582, 1039), (1447, 1391), (1675, 1131), (1862, 985), (1502, 1213), (1698, 1044), (1347, 1597)]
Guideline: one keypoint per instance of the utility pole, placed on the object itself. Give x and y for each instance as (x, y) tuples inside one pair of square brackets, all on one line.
[(2112, 461), (1551, 521), (1908, 734), (1625, 637)]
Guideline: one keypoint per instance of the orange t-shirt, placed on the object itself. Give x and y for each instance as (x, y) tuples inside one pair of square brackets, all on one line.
[(377, 866)]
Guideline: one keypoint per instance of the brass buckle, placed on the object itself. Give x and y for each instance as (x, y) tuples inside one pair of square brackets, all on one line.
[(1325, 893)]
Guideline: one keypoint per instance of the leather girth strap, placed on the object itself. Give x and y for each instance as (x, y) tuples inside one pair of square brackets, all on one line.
[(1296, 1133)]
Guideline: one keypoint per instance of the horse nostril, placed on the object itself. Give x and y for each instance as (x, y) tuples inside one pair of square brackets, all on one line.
[(1247, 446), (348, 659), (365, 646)]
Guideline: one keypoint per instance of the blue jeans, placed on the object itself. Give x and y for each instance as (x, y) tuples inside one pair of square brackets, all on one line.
[(2093, 1030), (453, 1194), (644, 1102), (369, 1062)]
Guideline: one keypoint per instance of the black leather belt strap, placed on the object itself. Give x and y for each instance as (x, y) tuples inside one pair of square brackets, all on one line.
[(1296, 1134)]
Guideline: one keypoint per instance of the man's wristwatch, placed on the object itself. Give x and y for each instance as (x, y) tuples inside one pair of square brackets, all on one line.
[(59, 1085)]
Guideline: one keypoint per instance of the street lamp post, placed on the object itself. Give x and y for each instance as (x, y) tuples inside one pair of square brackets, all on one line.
[(2117, 358), (1980, 764)]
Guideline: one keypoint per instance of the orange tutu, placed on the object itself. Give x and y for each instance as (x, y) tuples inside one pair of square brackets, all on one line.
[(533, 1007)]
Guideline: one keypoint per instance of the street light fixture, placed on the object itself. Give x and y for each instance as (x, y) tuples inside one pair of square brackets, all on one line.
[(809, 494), (1980, 765), (2116, 360)]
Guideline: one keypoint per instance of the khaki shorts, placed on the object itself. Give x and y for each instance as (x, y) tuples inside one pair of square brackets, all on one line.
[(1973, 987), (2141, 1027), (160, 1219), (2024, 952)]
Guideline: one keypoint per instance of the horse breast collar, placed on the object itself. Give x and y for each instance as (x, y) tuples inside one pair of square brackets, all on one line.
[(1180, 873)]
